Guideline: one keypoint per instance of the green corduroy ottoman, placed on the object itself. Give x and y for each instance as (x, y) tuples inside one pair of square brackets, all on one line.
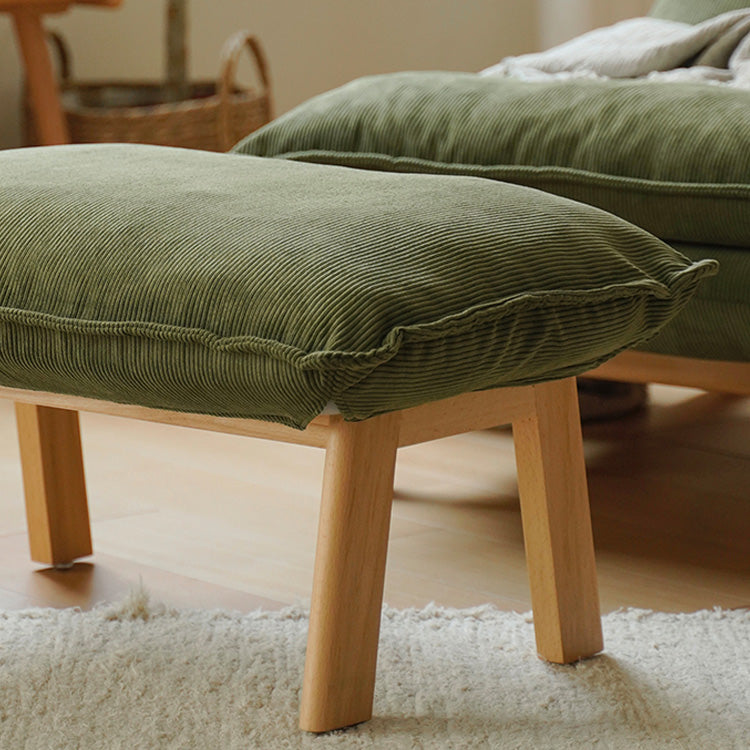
[(351, 310)]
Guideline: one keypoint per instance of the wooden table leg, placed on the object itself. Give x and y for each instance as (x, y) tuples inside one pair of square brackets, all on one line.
[(557, 525), (350, 559), (40, 78), (54, 484)]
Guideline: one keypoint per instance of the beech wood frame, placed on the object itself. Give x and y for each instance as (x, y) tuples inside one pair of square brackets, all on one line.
[(44, 96), (355, 514), (706, 374)]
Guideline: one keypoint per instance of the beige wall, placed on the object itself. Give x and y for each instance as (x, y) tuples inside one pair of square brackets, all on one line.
[(312, 46), (562, 19)]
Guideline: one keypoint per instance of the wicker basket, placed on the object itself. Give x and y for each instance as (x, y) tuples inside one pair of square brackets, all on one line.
[(214, 117)]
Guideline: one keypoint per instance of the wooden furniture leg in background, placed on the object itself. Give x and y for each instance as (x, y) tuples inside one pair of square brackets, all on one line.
[(40, 78), (557, 525), (349, 573), (55, 487)]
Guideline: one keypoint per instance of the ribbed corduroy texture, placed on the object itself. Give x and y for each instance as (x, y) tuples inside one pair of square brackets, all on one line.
[(694, 11), (673, 158), (716, 323), (265, 288)]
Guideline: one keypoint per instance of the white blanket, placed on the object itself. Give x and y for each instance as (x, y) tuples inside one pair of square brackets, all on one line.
[(715, 51)]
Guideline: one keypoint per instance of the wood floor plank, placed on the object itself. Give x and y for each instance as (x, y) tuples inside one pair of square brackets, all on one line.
[(217, 520), (713, 422), (108, 578), (406, 588), (10, 600), (486, 567)]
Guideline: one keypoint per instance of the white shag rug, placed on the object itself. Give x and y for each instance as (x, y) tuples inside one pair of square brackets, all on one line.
[(142, 676)]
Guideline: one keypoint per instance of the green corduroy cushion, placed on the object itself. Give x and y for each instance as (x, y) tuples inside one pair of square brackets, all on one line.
[(716, 322), (694, 11), (265, 288), (673, 158)]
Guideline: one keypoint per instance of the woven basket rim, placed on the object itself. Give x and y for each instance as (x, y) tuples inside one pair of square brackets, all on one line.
[(213, 115), (241, 96)]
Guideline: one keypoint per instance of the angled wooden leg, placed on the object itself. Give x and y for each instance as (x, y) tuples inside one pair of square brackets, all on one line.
[(347, 594), (557, 525), (56, 507), (43, 93)]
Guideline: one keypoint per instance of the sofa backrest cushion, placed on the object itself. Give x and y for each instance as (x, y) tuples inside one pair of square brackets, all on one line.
[(673, 158), (694, 11)]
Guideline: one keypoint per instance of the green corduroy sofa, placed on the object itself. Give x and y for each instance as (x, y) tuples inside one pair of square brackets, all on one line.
[(673, 158), (721, 312)]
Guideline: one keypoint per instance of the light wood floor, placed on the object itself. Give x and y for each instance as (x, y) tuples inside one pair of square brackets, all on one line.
[(210, 520)]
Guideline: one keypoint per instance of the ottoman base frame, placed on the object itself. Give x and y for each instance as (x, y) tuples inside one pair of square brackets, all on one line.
[(708, 374), (355, 518)]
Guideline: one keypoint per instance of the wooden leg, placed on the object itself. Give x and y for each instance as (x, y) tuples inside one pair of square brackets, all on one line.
[(40, 77), (349, 572), (557, 525), (54, 483)]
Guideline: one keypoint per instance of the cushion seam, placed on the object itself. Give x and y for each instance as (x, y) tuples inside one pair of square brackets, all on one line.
[(565, 175), (317, 360)]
